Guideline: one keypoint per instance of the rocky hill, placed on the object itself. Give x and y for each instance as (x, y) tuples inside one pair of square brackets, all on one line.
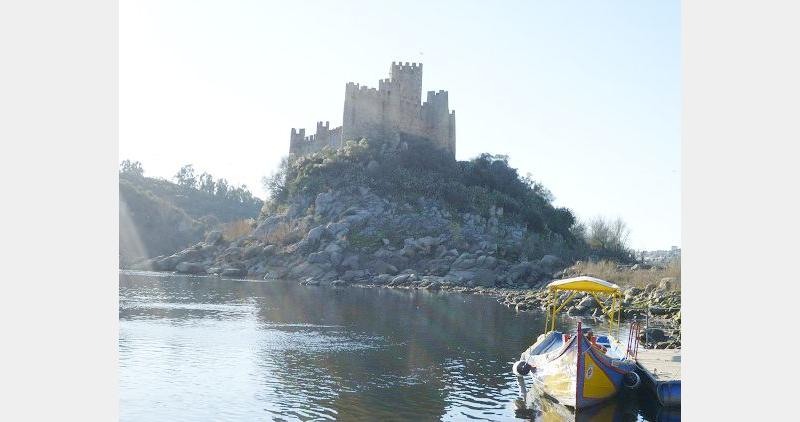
[(392, 212), (160, 217)]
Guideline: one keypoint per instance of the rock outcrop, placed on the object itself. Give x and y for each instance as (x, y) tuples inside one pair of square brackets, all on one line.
[(360, 237)]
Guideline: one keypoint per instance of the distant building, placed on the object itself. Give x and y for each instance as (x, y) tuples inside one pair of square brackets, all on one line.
[(389, 112), (660, 257)]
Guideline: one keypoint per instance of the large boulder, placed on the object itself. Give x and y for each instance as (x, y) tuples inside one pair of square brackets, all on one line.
[(460, 276), (438, 267), (351, 262), (655, 335), (356, 220), (190, 268), (308, 269), (549, 263), (276, 273), (632, 292), (486, 261), (191, 254), (213, 237), (232, 253), (519, 271), (354, 275), (167, 263), (252, 251), (465, 261), (667, 283), (463, 264), (233, 272), (400, 279), (408, 251), (319, 257), (425, 245), (485, 278), (381, 267), (270, 250), (338, 230), (587, 303), (207, 249), (373, 167), (315, 235), (324, 203), (382, 279), (268, 226)]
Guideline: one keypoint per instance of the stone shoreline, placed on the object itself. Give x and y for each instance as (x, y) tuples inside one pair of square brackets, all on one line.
[(357, 237), (662, 303)]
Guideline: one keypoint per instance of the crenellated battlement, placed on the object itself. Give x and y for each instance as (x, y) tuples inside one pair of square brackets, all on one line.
[(387, 112), (406, 67), (435, 97), (385, 85)]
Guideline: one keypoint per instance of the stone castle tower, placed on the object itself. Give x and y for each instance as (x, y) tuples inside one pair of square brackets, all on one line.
[(392, 111)]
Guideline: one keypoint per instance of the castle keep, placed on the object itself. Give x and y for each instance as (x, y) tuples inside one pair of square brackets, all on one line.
[(391, 112)]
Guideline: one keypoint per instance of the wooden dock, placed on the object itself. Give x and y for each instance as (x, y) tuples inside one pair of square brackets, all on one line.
[(660, 370)]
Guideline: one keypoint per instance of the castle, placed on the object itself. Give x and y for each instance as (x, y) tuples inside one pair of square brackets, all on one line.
[(391, 112)]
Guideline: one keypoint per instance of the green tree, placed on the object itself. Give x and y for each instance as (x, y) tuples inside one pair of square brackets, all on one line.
[(222, 188), (610, 235), (131, 168), (275, 183), (186, 177), (207, 184)]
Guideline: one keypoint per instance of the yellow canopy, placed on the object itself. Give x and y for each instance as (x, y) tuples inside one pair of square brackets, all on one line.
[(584, 284)]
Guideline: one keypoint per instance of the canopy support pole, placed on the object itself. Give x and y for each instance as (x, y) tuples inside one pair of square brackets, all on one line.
[(600, 302), (547, 313), (555, 312)]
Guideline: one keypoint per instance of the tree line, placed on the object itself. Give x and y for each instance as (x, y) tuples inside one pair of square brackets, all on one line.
[(188, 178)]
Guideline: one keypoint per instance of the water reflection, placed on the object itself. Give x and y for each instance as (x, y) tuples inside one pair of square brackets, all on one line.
[(627, 407), (199, 348)]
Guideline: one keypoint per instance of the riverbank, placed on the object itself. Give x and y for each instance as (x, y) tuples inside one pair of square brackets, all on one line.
[(661, 303), (663, 300)]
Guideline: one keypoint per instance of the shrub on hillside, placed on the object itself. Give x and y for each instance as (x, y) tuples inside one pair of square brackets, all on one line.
[(413, 168), (625, 277), (236, 229)]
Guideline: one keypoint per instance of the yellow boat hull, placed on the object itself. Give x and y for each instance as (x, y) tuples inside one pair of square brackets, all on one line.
[(577, 373)]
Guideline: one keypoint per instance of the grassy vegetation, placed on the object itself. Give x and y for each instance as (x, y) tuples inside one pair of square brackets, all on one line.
[(363, 242), (611, 271), (415, 168), (411, 168), (287, 233), (236, 229)]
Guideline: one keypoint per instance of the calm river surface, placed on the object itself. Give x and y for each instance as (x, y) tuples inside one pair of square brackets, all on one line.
[(205, 349)]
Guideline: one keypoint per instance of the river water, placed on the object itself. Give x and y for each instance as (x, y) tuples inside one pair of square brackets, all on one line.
[(206, 349)]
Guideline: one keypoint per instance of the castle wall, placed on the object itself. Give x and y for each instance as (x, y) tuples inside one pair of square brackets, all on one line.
[(387, 113), (364, 113), (299, 144), (451, 141)]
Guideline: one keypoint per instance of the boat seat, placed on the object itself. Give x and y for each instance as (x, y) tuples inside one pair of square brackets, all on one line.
[(550, 342)]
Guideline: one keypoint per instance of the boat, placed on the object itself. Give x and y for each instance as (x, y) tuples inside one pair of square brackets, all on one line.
[(539, 408), (579, 369)]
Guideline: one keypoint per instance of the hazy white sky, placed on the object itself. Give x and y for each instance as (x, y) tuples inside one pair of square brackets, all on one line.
[(586, 96)]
